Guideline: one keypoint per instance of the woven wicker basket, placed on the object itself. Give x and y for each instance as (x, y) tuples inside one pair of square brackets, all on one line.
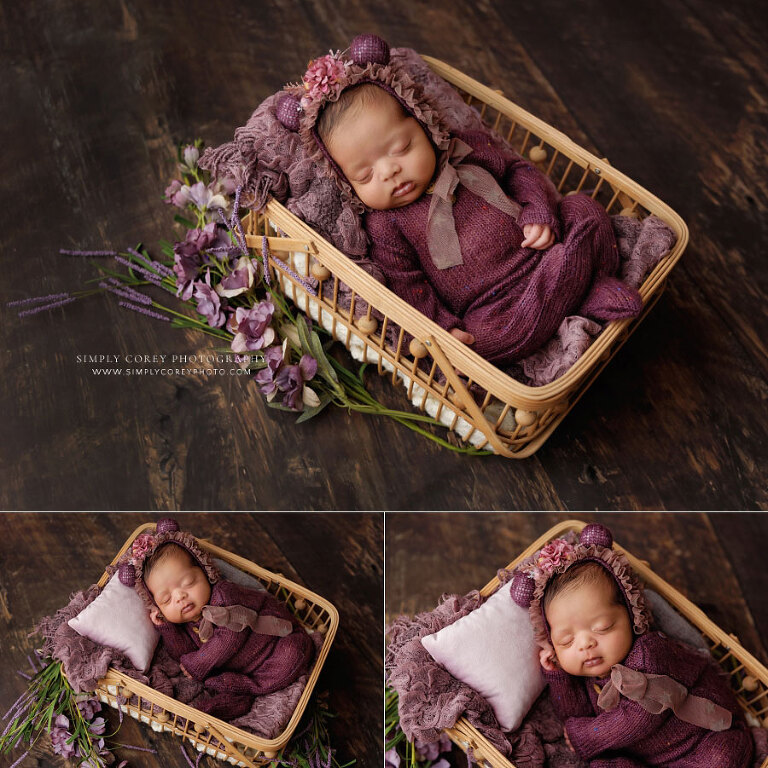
[(749, 678), (501, 414), (209, 734)]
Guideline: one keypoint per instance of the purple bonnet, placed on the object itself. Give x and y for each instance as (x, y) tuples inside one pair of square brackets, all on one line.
[(595, 543), (367, 60), (130, 568)]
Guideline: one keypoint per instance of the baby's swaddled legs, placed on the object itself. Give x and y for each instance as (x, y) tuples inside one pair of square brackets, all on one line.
[(575, 276), (723, 749)]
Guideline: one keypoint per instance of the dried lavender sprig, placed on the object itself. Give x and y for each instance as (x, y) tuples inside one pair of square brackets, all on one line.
[(236, 216), (65, 252), (46, 307), (151, 276), (32, 663), (16, 703), (137, 749), (296, 276), (241, 243), (23, 674), (144, 311), (18, 762), (139, 296), (186, 756), (265, 260), (134, 296), (36, 299), (151, 263), (228, 249)]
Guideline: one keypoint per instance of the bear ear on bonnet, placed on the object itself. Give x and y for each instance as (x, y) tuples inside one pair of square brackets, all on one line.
[(523, 584), (363, 50), (126, 572)]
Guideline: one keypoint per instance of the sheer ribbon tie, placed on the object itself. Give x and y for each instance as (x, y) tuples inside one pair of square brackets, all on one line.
[(442, 239), (237, 618)]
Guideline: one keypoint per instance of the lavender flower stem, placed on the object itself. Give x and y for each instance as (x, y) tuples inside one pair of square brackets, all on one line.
[(16, 704), (285, 268), (18, 762), (151, 276), (65, 252), (265, 259), (143, 311), (37, 299), (186, 756), (46, 307), (151, 263), (131, 295), (23, 674)]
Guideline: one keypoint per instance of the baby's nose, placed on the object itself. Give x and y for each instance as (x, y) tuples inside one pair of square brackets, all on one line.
[(587, 641), (389, 170)]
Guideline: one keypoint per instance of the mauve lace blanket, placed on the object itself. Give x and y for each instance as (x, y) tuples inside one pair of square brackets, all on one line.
[(431, 699), (85, 662), (268, 159)]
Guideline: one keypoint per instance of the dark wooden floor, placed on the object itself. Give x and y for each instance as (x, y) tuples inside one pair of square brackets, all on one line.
[(45, 558), (94, 98), (716, 560)]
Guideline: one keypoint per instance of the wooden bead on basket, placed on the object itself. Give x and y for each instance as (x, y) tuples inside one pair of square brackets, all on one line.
[(417, 349), (199, 727), (457, 399), (749, 683), (270, 754), (367, 325), (538, 154), (126, 692), (161, 717), (319, 272), (300, 604), (630, 212), (525, 418)]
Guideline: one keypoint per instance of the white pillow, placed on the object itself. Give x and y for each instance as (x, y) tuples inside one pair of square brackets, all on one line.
[(119, 619), (493, 651)]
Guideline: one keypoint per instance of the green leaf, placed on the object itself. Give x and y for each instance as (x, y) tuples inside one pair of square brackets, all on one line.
[(310, 413), (183, 221)]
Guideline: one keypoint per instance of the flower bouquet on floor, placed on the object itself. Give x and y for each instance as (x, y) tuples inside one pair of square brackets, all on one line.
[(212, 271)]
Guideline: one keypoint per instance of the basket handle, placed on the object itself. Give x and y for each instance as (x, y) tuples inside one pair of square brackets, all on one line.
[(466, 399)]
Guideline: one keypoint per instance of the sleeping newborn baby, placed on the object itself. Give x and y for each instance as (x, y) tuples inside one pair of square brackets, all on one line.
[(239, 642), (464, 230)]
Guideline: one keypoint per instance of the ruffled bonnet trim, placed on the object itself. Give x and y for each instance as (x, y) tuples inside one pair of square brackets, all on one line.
[(183, 539), (617, 566), (394, 79)]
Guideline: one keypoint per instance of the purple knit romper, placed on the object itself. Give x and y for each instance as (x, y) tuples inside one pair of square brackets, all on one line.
[(237, 666), (511, 299), (631, 737)]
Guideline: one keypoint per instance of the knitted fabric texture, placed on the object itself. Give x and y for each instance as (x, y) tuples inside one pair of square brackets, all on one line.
[(656, 739), (238, 665), (511, 299)]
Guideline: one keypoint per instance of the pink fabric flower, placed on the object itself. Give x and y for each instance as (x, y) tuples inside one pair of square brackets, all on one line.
[(554, 554), (323, 75), (142, 545)]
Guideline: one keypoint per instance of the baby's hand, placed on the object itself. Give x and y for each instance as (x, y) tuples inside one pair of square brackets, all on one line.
[(547, 659), (463, 336), (537, 236), (155, 616)]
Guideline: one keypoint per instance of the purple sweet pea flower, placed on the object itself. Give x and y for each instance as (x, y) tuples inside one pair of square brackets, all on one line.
[(265, 378), (290, 380), (88, 706), (391, 759), (97, 726), (191, 156), (441, 763), (209, 302), (252, 327), (177, 194), (205, 198), (59, 736), (197, 240), (239, 280)]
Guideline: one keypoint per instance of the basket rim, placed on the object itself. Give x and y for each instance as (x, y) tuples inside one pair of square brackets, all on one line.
[(492, 378), (115, 677)]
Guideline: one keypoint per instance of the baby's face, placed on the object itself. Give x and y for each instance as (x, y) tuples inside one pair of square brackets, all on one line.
[(589, 632), (385, 155), (180, 588)]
